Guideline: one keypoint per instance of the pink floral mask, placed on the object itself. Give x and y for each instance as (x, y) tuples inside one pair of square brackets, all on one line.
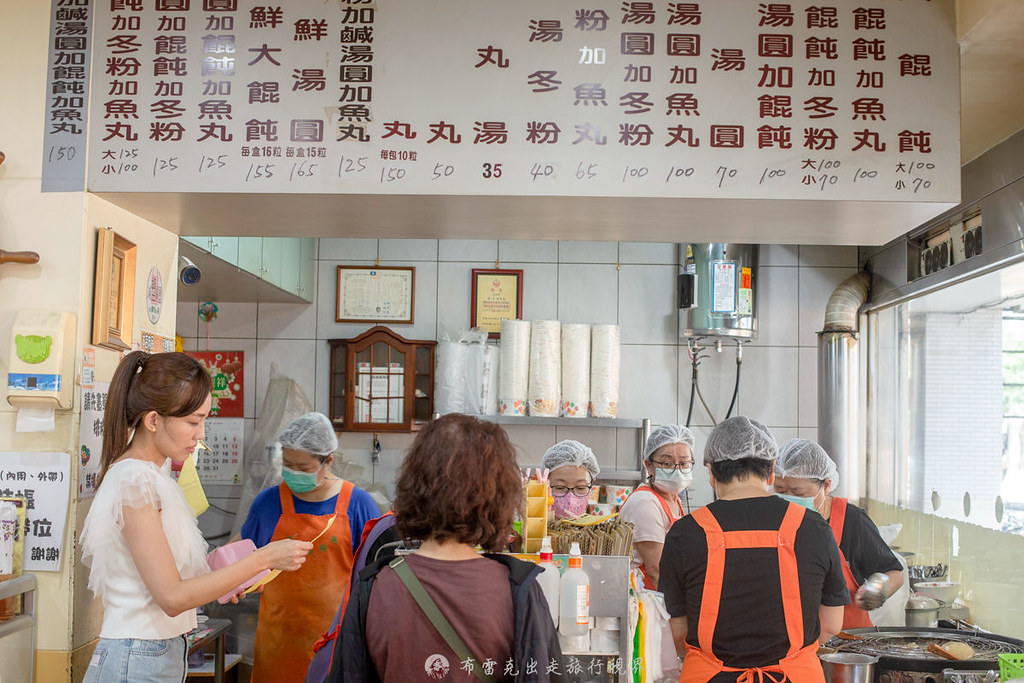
[(570, 505)]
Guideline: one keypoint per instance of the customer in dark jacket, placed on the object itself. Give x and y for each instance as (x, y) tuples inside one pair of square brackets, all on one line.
[(459, 488)]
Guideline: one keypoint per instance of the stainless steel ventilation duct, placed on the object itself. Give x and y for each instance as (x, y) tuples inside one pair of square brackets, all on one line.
[(838, 378)]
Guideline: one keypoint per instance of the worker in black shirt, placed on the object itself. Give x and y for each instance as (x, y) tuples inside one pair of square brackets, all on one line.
[(751, 582), (806, 475)]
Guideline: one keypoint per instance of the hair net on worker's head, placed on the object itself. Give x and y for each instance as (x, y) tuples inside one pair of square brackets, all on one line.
[(311, 433), (738, 438), (570, 452), (666, 435), (804, 459)]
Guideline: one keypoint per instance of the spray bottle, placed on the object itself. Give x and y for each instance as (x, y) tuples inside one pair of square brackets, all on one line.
[(574, 598), (549, 579)]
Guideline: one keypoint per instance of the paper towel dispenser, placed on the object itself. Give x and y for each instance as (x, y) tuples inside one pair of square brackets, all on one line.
[(41, 369)]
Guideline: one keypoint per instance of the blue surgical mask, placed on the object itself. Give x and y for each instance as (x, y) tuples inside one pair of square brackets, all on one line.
[(298, 482), (673, 481), (806, 502)]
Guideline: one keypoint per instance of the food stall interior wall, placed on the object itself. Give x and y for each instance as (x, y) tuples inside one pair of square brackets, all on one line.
[(568, 281)]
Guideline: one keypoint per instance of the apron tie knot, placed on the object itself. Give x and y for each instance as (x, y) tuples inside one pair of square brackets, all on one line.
[(760, 675)]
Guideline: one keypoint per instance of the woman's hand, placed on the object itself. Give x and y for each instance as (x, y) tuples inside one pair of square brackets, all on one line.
[(287, 554)]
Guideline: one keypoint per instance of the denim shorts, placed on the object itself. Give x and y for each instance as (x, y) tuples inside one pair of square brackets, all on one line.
[(130, 660)]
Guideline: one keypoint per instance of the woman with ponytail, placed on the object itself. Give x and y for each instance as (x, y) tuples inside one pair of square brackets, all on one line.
[(146, 556)]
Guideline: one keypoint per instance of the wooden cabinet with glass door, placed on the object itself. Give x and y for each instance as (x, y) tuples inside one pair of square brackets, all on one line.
[(381, 382)]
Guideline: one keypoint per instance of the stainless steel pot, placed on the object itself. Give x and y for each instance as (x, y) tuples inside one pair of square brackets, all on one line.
[(848, 667), (922, 611)]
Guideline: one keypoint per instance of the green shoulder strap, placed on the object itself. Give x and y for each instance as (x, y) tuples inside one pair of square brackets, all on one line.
[(429, 607)]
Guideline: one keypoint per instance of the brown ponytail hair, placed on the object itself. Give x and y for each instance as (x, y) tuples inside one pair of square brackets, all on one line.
[(172, 384)]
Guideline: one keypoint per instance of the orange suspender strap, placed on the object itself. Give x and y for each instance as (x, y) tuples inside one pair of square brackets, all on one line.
[(784, 539), (288, 504), (837, 518), (672, 519)]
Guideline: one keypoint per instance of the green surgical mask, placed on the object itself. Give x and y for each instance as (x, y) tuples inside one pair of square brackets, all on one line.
[(806, 502), (298, 482)]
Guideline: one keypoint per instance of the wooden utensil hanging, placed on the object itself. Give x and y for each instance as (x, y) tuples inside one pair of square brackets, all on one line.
[(18, 257)]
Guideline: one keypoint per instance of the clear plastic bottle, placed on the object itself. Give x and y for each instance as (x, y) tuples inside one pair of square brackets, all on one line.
[(574, 598), (549, 579)]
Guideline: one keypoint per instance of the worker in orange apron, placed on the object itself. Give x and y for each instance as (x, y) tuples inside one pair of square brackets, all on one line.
[(806, 475), (311, 505), (731, 569), (654, 506)]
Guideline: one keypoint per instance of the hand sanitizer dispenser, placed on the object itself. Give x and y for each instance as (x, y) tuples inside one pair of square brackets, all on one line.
[(40, 372)]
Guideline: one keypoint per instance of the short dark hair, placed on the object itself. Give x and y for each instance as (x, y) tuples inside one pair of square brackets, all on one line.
[(459, 481), (725, 471)]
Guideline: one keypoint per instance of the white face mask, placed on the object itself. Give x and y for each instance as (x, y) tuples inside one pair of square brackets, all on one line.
[(672, 482)]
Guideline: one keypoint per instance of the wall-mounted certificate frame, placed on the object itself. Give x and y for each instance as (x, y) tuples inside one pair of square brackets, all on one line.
[(497, 295), (380, 294)]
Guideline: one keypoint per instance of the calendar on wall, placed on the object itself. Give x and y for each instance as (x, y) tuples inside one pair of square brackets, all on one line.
[(222, 464)]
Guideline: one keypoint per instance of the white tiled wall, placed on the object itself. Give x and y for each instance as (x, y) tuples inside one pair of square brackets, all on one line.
[(632, 284)]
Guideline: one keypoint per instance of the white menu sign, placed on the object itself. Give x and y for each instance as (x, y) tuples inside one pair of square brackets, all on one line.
[(850, 99), (44, 480)]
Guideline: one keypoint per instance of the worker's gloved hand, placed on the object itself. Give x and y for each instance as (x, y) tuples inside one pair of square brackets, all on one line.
[(873, 592)]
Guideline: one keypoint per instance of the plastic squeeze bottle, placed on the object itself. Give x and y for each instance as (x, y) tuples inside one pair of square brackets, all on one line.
[(549, 579), (574, 599)]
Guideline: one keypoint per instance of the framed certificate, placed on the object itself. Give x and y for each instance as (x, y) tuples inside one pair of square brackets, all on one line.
[(497, 295), (380, 294)]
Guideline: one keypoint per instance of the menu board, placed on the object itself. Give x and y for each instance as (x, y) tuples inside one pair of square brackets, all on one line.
[(851, 99)]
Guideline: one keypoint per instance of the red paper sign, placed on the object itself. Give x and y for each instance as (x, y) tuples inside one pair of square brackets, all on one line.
[(226, 370)]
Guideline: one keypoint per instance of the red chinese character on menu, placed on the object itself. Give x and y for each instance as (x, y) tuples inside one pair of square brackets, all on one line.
[(820, 107), (821, 48), (256, 129), (682, 103), (543, 81), (728, 59), (310, 29), (915, 65), (591, 20), (490, 132), (684, 14), (683, 45), (588, 132), (775, 76), (542, 132), (821, 77), (590, 94), (172, 5), (682, 135), (491, 55), (636, 44), (166, 131), (635, 134), (868, 109), (869, 49), (774, 45), (820, 138), (444, 131), (921, 141), (869, 19), (775, 15), (867, 138), (636, 102), (220, 5), (774, 106), (822, 17), (265, 17), (402, 130), (637, 12), (727, 136), (772, 136), (306, 130), (545, 31)]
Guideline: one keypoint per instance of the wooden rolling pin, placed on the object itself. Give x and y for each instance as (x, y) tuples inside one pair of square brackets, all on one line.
[(18, 257)]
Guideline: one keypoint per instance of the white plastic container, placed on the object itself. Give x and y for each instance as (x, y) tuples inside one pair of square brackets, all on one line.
[(574, 598), (549, 579)]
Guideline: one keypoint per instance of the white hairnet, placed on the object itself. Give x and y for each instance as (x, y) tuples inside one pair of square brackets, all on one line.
[(666, 435), (738, 438), (311, 433), (571, 452), (804, 459)]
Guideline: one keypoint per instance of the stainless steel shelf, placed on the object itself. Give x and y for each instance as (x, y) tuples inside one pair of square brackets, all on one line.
[(619, 422)]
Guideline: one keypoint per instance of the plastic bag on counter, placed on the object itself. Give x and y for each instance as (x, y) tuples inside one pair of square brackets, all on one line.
[(893, 610), (459, 373)]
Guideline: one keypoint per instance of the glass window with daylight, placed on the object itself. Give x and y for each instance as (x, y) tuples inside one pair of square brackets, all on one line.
[(381, 381)]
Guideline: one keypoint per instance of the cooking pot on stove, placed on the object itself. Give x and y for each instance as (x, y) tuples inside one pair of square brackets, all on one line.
[(922, 611), (848, 667), (903, 655)]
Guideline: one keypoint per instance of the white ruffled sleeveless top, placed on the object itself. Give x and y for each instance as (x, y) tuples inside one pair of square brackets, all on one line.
[(129, 609)]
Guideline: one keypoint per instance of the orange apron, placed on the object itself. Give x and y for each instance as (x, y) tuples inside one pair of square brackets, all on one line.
[(297, 607), (853, 616), (801, 664), (672, 519)]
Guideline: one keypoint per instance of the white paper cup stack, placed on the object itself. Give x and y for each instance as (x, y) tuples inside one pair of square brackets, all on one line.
[(489, 390), (545, 368), (514, 367), (604, 371), (575, 370)]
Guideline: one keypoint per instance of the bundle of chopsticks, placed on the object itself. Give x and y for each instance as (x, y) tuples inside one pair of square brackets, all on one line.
[(596, 535)]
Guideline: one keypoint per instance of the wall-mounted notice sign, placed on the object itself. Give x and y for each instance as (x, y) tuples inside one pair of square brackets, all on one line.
[(44, 481), (733, 99)]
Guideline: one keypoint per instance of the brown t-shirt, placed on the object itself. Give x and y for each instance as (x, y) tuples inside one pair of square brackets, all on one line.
[(475, 597)]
